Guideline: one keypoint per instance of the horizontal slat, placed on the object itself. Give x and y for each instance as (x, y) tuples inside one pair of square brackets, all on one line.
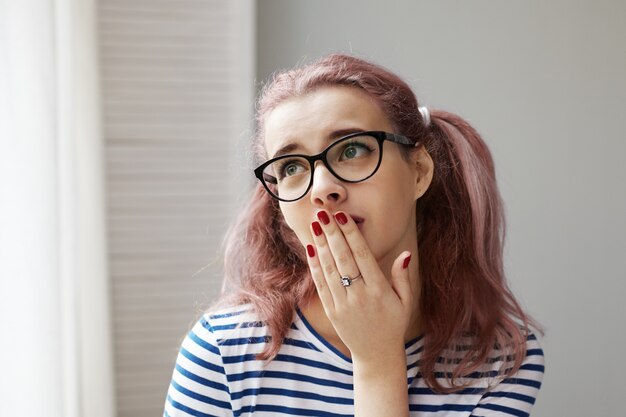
[(168, 85)]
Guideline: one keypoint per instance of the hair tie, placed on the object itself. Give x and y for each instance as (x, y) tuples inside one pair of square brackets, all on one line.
[(425, 115)]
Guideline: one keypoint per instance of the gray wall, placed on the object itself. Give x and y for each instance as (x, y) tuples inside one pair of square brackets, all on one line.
[(544, 83)]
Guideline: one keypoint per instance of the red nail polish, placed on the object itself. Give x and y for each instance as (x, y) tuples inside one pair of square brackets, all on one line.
[(341, 218), (323, 217), (317, 229), (310, 250), (406, 262)]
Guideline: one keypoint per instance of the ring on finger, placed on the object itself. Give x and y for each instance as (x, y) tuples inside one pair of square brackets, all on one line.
[(346, 280)]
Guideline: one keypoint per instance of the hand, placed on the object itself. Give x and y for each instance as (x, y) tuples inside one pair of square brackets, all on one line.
[(371, 316)]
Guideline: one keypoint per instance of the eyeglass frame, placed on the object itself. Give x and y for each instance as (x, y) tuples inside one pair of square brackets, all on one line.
[(380, 137)]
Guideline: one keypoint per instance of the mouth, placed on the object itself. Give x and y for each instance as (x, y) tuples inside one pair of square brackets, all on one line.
[(358, 220)]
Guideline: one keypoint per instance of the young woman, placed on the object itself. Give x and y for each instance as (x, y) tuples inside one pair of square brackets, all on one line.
[(365, 275)]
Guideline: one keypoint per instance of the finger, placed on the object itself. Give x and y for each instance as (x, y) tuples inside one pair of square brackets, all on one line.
[(339, 248), (319, 280), (361, 253), (327, 263), (400, 281)]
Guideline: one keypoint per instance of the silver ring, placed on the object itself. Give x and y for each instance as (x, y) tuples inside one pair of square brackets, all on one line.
[(346, 281)]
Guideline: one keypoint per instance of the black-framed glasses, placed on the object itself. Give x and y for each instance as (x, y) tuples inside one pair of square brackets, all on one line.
[(352, 158)]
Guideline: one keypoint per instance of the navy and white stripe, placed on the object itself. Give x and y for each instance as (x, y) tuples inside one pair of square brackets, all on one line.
[(217, 374)]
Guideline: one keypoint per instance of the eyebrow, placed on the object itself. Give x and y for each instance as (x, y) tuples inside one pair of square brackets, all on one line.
[(289, 147)]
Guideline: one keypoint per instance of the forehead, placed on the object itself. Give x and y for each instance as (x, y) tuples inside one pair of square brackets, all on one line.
[(309, 120)]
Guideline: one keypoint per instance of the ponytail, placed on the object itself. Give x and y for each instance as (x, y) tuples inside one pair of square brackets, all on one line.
[(461, 230)]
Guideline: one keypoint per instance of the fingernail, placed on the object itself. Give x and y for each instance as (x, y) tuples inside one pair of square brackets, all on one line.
[(323, 217), (310, 250), (406, 262), (317, 229), (341, 218)]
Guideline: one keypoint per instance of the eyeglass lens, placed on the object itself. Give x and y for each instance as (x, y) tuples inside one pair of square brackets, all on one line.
[(350, 159)]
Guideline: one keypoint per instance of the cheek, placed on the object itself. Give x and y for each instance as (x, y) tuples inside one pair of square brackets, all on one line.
[(296, 221), (394, 213)]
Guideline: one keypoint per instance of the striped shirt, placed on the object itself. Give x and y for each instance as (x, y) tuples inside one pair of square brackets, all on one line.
[(217, 374)]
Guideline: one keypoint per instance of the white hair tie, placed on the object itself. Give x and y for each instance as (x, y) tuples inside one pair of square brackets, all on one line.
[(425, 115)]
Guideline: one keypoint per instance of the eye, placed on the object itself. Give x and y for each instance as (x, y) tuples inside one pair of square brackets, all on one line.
[(290, 168), (354, 150)]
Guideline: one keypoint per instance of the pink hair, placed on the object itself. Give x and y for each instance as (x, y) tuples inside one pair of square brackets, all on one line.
[(460, 231)]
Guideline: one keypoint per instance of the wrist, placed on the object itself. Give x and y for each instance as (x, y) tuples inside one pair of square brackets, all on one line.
[(380, 386), (379, 363)]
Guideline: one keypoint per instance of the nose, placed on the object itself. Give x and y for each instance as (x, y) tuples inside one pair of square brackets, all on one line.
[(326, 190)]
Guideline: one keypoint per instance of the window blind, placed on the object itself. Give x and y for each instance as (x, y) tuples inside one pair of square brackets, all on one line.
[(177, 88)]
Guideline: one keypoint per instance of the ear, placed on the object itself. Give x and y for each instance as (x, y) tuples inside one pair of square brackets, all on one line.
[(425, 168)]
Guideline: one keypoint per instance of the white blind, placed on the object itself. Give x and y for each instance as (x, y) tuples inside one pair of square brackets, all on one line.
[(177, 90)]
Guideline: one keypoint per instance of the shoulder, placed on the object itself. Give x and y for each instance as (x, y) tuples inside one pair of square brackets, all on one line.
[(227, 318), (532, 365), (215, 334), (513, 363), (199, 382), (515, 392), (533, 356), (534, 351), (225, 328), (226, 322)]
